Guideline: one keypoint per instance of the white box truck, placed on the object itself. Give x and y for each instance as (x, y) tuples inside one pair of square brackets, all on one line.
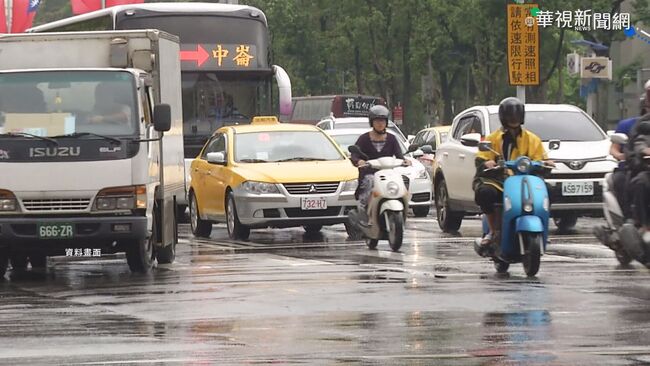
[(91, 146)]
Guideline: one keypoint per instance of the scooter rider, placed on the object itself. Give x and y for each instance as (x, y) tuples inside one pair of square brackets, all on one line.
[(375, 144), (640, 183), (620, 174), (510, 142)]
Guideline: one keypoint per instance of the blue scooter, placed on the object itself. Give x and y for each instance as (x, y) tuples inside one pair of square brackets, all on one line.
[(524, 215)]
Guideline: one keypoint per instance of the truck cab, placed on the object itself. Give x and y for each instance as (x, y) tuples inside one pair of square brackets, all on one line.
[(92, 150)]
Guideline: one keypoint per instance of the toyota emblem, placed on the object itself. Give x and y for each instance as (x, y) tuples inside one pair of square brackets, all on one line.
[(576, 165)]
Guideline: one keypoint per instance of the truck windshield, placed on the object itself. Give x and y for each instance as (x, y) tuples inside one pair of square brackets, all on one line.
[(53, 103)]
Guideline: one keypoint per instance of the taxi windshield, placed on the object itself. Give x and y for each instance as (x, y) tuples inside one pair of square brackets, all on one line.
[(53, 103), (281, 146)]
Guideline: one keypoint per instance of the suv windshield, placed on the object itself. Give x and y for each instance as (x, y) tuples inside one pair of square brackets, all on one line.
[(557, 125), (274, 146), (52, 103)]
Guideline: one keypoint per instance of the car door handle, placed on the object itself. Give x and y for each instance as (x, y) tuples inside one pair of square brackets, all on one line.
[(462, 156)]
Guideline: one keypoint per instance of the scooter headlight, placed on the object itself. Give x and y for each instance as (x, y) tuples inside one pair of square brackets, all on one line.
[(528, 207), (392, 188), (523, 165)]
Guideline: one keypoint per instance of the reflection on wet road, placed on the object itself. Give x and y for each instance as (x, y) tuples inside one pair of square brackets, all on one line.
[(287, 298)]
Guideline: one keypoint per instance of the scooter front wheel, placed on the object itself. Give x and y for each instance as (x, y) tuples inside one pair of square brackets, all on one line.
[(533, 252), (623, 258), (395, 229), (501, 266)]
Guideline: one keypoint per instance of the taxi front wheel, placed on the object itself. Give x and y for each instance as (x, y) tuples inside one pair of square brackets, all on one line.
[(236, 230), (200, 228)]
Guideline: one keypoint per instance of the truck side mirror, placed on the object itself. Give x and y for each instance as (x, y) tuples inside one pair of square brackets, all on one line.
[(162, 117)]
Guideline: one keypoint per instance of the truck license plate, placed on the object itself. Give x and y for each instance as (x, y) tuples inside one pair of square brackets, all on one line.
[(55, 231), (313, 203), (577, 188)]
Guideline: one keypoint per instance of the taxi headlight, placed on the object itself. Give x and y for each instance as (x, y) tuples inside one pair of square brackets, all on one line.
[(392, 188), (523, 165), (260, 187), (350, 185)]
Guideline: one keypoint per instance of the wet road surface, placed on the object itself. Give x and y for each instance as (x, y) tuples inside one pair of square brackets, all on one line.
[(287, 298)]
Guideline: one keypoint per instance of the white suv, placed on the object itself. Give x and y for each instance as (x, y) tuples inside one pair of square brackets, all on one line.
[(572, 139), (332, 123)]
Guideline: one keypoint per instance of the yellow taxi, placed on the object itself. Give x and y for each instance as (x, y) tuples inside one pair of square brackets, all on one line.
[(432, 136), (270, 174)]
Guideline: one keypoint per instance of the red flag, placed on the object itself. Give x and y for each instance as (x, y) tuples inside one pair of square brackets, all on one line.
[(23, 14), (110, 3), (85, 6), (3, 20)]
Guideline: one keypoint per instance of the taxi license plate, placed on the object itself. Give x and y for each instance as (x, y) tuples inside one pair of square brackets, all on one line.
[(577, 188), (55, 231), (313, 203)]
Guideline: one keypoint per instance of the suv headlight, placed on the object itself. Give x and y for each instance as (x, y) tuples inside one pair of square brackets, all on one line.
[(260, 187), (121, 198), (350, 185), (7, 201)]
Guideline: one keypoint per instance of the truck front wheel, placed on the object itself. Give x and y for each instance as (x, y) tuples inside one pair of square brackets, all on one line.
[(140, 254), (4, 261)]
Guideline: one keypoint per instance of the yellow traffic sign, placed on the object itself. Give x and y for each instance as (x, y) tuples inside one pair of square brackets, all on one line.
[(523, 45)]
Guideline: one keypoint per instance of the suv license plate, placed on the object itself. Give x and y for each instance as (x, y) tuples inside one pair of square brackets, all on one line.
[(577, 188), (313, 203), (55, 231)]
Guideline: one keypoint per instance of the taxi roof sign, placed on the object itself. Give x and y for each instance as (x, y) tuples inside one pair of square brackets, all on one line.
[(265, 120)]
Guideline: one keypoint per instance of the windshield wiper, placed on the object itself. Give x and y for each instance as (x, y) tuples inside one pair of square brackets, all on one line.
[(25, 134), (253, 161), (82, 134), (300, 158)]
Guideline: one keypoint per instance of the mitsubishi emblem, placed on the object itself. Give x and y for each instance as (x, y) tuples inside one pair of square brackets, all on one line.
[(312, 189)]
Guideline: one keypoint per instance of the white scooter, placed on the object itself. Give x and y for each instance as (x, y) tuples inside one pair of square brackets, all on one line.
[(388, 203), (620, 236)]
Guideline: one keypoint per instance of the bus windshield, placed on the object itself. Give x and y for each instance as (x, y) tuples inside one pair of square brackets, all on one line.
[(46, 103), (211, 100)]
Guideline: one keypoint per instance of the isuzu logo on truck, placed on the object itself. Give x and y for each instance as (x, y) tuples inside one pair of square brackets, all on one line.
[(51, 152)]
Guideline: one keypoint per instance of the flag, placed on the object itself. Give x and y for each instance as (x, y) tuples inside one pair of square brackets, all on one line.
[(86, 6), (23, 14), (3, 19)]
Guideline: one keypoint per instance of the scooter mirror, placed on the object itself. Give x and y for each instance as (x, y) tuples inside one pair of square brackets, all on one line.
[(470, 139), (619, 138), (354, 149), (485, 146)]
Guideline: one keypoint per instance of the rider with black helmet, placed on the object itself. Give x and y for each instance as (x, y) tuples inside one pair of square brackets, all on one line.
[(375, 143), (510, 142)]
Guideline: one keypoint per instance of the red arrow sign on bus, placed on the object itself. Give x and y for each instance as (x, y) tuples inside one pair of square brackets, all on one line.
[(200, 55)]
